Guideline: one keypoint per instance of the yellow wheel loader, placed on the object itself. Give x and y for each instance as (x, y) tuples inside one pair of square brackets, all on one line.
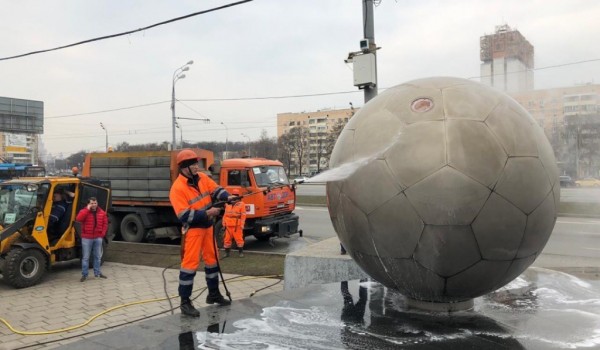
[(30, 241)]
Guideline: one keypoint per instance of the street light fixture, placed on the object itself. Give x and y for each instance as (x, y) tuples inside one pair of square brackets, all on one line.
[(106, 131), (226, 137), (177, 75)]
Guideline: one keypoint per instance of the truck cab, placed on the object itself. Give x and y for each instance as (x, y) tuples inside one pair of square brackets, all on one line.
[(269, 196)]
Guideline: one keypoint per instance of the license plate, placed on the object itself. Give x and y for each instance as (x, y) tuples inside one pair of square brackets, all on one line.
[(279, 206)]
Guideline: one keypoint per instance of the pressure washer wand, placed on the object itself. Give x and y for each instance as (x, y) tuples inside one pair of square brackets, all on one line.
[(221, 205)]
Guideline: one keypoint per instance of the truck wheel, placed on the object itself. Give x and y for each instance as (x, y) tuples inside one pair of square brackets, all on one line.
[(132, 228), (24, 267), (114, 226), (219, 232)]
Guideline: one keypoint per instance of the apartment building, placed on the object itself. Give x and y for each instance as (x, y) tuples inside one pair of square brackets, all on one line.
[(319, 123)]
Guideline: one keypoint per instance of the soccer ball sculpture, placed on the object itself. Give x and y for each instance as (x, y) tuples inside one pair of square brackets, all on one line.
[(455, 191)]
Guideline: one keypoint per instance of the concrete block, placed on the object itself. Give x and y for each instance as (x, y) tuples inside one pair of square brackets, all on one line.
[(320, 263)]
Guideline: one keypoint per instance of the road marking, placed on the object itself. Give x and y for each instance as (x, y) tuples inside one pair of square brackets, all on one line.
[(578, 222), (592, 248), (307, 240), (315, 209)]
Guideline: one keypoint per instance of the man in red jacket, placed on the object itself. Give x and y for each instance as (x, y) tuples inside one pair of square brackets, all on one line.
[(94, 224)]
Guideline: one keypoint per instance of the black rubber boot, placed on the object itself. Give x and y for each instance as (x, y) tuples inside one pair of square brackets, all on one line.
[(227, 250), (214, 296), (241, 250), (188, 309)]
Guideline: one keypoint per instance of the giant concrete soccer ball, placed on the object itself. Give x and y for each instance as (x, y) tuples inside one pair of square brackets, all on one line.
[(455, 191)]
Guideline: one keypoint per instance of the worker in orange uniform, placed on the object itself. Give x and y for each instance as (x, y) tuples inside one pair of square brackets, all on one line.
[(233, 221), (192, 195)]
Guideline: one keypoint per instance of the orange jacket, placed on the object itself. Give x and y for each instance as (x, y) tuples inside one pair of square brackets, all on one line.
[(190, 201), (235, 214)]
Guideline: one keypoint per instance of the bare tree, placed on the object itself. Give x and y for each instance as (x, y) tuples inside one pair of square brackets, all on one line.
[(266, 146), (583, 139), (332, 137), (284, 147), (75, 159), (299, 142)]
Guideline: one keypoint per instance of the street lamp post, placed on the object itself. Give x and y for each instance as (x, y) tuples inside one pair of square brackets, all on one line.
[(106, 131), (226, 137), (180, 133), (248, 137), (177, 75)]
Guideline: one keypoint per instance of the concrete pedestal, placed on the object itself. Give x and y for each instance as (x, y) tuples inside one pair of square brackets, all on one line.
[(320, 263)]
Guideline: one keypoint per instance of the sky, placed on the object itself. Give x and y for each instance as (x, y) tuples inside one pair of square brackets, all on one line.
[(260, 49)]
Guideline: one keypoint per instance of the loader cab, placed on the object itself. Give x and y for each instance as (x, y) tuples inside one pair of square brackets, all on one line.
[(18, 200), (29, 242)]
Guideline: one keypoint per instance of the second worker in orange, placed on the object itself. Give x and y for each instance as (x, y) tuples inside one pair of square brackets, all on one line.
[(233, 221)]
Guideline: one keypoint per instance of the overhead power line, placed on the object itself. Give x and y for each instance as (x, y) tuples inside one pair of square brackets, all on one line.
[(267, 97), (285, 96), (541, 68), (108, 110), (128, 32), (207, 100)]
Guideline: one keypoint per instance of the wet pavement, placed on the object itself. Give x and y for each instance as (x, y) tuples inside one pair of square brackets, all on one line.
[(542, 309), (61, 310)]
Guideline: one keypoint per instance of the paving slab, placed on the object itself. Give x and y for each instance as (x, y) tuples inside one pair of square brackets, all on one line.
[(60, 301)]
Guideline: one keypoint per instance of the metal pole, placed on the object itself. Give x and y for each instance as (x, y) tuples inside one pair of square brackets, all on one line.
[(248, 144), (176, 76), (369, 33), (106, 131), (173, 142), (226, 137), (181, 135)]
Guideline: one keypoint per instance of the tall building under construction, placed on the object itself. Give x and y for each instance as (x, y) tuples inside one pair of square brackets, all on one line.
[(507, 60)]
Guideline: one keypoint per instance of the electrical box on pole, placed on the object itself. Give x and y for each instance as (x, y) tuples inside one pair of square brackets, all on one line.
[(365, 70)]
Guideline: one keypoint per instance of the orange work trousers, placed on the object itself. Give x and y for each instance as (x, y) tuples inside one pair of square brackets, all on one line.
[(234, 233), (198, 241)]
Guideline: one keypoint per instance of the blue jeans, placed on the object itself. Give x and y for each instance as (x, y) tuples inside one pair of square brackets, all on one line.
[(88, 245)]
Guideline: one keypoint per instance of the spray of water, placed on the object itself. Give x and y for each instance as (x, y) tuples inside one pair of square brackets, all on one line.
[(345, 170), (341, 172)]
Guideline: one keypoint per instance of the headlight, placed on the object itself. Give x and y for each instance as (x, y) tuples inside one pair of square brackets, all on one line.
[(265, 229)]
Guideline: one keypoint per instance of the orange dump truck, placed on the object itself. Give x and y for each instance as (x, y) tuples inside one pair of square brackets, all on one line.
[(269, 196), (140, 183)]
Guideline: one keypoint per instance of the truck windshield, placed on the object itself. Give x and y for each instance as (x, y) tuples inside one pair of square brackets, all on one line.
[(268, 175), (16, 201)]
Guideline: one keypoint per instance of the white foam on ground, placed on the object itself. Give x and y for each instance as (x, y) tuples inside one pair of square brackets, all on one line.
[(557, 298)]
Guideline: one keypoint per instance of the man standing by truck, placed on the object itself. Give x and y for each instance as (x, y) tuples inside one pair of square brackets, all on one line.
[(94, 224), (233, 221), (191, 196)]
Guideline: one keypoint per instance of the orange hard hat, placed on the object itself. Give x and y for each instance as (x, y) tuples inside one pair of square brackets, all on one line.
[(186, 154), (75, 169), (235, 191)]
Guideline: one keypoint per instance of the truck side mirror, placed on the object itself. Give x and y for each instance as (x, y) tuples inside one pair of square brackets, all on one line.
[(215, 169)]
